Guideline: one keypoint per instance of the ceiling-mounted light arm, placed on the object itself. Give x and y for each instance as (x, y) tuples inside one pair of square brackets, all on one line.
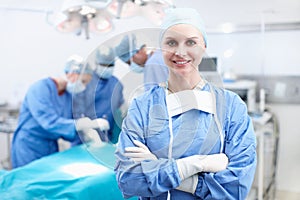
[(87, 13), (85, 26), (120, 8)]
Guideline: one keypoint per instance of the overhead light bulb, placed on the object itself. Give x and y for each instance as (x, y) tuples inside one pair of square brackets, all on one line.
[(122, 8), (154, 11), (71, 24), (85, 10), (102, 22), (72, 5)]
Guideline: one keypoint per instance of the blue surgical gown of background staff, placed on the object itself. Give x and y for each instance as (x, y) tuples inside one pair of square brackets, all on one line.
[(147, 121), (44, 117), (101, 99), (155, 71)]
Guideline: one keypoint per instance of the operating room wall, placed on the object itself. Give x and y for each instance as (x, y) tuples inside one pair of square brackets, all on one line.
[(257, 53), (273, 53), (31, 49)]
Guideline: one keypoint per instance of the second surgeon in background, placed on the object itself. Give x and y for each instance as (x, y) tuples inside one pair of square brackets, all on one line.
[(155, 70), (127, 51), (46, 114), (185, 138), (102, 98)]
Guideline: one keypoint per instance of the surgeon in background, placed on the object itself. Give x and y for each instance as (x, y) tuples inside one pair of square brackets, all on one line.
[(152, 64), (186, 138), (128, 52), (155, 70), (46, 114), (102, 98)]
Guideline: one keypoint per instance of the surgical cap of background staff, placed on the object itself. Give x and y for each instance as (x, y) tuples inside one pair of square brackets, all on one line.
[(75, 64), (105, 56)]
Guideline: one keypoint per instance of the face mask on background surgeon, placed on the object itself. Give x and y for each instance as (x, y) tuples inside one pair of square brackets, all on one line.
[(136, 68), (104, 72), (76, 87)]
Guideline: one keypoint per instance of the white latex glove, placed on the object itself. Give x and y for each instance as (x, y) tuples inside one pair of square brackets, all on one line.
[(189, 184), (191, 165), (139, 153), (83, 123), (86, 123), (92, 136), (101, 124)]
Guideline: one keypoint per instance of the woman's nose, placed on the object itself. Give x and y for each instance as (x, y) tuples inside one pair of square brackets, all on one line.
[(180, 51)]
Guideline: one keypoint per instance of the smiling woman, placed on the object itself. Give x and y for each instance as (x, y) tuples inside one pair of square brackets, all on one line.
[(196, 141), (183, 48)]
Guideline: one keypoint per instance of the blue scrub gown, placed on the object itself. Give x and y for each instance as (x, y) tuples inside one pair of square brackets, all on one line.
[(44, 117), (147, 121), (101, 99), (155, 70)]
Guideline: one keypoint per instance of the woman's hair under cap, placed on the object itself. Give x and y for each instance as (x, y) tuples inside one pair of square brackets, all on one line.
[(190, 16)]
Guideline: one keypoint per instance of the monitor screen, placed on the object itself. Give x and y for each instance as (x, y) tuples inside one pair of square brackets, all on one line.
[(208, 64)]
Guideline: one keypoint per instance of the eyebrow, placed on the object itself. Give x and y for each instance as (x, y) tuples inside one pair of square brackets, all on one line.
[(193, 37), (168, 38)]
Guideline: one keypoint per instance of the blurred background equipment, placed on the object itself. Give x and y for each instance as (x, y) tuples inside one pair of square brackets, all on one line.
[(83, 16), (79, 16)]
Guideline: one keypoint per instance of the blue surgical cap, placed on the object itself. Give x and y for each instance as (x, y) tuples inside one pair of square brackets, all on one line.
[(76, 65), (174, 16), (105, 56), (127, 48)]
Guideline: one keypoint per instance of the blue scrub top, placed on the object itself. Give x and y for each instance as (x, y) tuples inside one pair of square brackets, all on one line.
[(44, 117), (101, 99), (155, 70), (147, 121)]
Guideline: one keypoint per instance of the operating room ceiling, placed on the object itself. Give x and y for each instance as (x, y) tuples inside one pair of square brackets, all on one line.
[(285, 13)]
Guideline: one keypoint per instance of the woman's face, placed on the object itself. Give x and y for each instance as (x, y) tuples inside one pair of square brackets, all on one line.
[(183, 47)]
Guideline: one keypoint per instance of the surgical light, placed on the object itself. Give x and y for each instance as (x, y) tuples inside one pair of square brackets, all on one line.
[(153, 10), (122, 8), (84, 16), (96, 15)]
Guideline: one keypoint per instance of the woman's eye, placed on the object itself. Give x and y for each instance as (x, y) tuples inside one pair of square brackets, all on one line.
[(191, 42), (171, 43)]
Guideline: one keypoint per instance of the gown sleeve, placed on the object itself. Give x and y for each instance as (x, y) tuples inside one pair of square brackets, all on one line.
[(240, 147), (148, 178), (43, 110)]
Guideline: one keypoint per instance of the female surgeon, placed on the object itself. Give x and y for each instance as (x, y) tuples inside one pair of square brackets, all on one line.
[(185, 138), (46, 114)]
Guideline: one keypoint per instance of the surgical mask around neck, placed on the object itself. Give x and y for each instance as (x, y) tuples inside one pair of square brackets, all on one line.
[(136, 68), (183, 101), (76, 87), (104, 72)]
